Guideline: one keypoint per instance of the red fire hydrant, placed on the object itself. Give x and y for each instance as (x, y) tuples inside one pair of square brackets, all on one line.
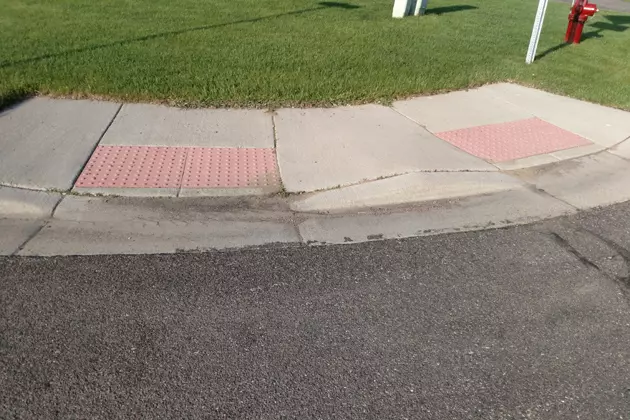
[(580, 12)]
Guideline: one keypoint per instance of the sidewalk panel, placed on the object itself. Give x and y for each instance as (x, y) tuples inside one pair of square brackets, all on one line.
[(45, 142), (326, 148), (586, 182), (14, 232), (157, 125), (602, 125), (462, 109), (27, 204)]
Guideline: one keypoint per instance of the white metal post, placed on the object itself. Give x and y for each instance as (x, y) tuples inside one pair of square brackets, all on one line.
[(401, 8), (404, 8), (421, 7), (536, 30)]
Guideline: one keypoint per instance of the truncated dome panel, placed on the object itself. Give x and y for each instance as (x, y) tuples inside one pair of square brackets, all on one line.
[(174, 167), (513, 140)]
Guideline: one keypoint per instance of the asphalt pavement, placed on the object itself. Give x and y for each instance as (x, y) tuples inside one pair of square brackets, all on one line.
[(530, 322)]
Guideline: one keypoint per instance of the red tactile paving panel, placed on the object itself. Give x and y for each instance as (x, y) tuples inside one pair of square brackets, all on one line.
[(513, 140), (174, 167), (134, 167), (230, 168)]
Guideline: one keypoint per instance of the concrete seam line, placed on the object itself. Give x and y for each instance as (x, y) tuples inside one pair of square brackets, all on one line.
[(17, 187), (296, 220), (609, 149), (616, 144), (363, 182), (546, 193), (98, 142), (181, 178), (54, 209), (297, 231), (30, 237), (385, 177), (274, 133), (409, 118), (276, 154)]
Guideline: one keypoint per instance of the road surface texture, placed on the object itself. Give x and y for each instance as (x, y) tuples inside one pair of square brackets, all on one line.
[(521, 323)]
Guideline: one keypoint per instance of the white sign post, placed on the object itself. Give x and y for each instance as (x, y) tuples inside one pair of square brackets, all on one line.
[(404, 8), (421, 7), (401, 8), (536, 30)]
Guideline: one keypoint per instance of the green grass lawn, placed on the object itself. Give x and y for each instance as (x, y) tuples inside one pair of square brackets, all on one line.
[(297, 52)]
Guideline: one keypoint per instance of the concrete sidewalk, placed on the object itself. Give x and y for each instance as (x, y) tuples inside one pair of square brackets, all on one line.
[(150, 150), (511, 154)]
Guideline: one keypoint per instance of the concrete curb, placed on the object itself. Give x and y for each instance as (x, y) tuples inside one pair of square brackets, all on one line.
[(41, 223)]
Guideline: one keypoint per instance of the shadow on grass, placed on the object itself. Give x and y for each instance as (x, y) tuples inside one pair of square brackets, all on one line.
[(449, 9), (551, 50), (322, 5), (14, 96), (615, 24), (337, 4)]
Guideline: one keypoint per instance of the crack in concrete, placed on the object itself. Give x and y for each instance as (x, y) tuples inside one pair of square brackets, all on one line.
[(30, 238), (540, 191)]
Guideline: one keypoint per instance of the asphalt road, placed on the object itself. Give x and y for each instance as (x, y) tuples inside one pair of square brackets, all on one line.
[(521, 323)]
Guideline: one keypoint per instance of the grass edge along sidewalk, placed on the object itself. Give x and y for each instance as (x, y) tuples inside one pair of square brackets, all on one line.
[(275, 53)]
